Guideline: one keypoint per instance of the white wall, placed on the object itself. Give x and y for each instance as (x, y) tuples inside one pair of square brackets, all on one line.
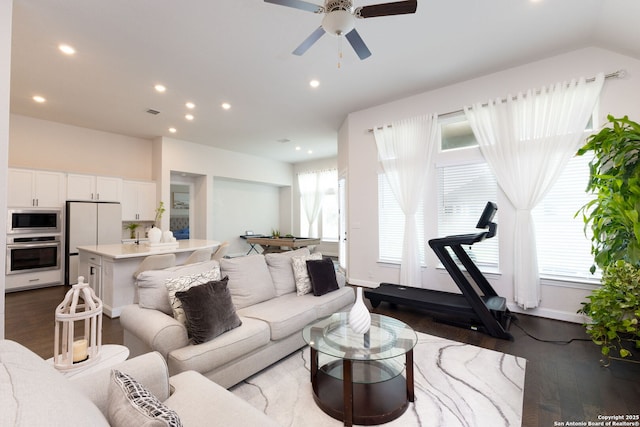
[(358, 159), (6, 7), (69, 148), (242, 205)]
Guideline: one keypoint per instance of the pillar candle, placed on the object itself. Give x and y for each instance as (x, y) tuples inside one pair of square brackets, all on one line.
[(79, 350)]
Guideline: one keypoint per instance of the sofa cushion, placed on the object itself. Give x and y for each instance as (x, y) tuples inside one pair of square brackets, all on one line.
[(183, 283), (232, 345), (332, 302), (152, 292), (34, 393), (209, 310), (285, 315), (299, 264), (249, 280), (130, 404), (281, 270), (322, 275)]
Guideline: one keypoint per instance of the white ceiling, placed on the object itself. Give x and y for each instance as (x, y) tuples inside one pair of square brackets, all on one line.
[(239, 51)]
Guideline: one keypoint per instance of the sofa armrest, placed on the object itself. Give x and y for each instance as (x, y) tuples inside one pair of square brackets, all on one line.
[(149, 369), (158, 331), (201, 402)]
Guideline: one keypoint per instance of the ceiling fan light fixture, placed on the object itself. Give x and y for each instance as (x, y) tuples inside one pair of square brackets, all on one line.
[(338, 22)]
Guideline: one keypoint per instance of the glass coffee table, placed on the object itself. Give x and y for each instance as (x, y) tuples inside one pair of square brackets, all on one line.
[(357, 378)]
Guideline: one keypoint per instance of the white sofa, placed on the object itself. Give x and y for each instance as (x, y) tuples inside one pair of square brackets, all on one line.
[(34, 393), (264, 292)]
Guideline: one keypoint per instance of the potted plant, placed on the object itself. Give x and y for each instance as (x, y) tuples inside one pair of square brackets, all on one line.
[(613, 217), (132, 229), (615, 179), (614, 309)]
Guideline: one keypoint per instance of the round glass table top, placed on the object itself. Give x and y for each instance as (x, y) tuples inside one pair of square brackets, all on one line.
[(387, 338)]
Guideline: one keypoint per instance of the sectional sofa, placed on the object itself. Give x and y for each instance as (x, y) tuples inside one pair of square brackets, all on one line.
[(268, 293), (34, 393)]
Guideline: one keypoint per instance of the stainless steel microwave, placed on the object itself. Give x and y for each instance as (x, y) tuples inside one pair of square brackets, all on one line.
[(34, 221)]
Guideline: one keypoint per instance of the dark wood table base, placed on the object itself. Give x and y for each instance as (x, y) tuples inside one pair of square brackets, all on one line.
[(370, 403)]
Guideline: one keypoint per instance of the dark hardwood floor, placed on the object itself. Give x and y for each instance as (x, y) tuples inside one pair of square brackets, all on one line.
[(563, 382)]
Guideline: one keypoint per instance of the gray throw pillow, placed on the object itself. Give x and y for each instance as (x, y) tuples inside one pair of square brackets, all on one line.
[(209, 310)]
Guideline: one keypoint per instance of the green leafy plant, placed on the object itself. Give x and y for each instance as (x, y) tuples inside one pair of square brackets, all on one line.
[(614, 309), (275, 233), (615, 180), (159, 211), (132, 229)]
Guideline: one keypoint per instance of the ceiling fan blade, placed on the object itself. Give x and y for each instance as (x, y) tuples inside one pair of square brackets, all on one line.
[(309, 41), (298, 4), (386, 9), (358, 44)]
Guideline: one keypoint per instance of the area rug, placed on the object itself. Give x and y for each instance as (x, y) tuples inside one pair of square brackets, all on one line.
[(456, 384)]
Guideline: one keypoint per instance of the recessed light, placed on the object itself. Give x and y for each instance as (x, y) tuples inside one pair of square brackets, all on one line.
[(226, 105), (160, 88), (173, 130), (39, 99), (190, 105), (314, 83), (310, 152), (189, 116), (298, 148), (66, 49)]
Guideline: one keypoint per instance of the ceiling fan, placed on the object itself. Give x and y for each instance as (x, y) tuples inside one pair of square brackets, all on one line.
[(339, 19)]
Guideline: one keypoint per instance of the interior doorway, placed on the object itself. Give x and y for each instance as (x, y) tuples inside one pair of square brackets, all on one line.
[(181, 208)]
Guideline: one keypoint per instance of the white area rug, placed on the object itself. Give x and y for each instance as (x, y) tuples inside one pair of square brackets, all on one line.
[(455, 385)]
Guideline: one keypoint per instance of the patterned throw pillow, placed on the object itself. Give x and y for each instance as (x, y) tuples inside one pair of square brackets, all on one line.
[(299, 264), (183, 283), (131, 404)]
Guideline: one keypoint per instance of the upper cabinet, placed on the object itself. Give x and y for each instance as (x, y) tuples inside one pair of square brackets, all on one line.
[(138, 201), (33, 188), (94, 188)]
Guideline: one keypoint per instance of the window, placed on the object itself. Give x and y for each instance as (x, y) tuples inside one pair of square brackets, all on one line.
[(391, 224), (463, 192), (563, 248), (320, 187)]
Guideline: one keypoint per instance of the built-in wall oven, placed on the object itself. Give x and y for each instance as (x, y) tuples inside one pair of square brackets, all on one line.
[(34, 248), (33, 253)]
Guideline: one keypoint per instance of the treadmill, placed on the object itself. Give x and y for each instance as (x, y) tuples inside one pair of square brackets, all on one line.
[(478, 307)]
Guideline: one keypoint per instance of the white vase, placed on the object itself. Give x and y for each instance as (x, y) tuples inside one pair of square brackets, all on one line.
[(359, 317), (167, 236), (155, 235)]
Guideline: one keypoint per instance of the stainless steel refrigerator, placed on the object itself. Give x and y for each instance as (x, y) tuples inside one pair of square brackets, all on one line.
[(86, 224)]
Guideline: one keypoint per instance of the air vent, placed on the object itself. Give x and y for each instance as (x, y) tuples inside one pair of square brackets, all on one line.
[(152, 111)]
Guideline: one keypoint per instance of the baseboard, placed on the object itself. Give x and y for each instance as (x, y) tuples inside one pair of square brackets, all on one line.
[(549, 314)]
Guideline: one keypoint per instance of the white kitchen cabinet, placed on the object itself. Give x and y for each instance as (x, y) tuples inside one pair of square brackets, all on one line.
[(34, 188), (94, 188), (138, 201)]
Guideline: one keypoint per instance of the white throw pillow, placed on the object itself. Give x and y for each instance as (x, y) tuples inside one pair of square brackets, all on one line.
[(131, 404), (281, 270), (184, 283), (299, 264), (152, 289)]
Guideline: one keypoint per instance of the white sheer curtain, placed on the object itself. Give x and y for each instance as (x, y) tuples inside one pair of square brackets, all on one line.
[(405, 150), (527, 141), (313, 186)]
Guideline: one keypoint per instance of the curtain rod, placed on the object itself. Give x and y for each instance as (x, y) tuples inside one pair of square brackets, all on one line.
[(615, 74)]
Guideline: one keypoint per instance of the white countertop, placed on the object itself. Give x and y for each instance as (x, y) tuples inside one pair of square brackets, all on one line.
[(131, 250)]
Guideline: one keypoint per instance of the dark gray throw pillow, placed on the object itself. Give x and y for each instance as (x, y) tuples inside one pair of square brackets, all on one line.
[(322, 275), (209, 310)]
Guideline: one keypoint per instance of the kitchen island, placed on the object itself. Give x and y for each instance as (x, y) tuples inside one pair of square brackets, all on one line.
[(109, 268)]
